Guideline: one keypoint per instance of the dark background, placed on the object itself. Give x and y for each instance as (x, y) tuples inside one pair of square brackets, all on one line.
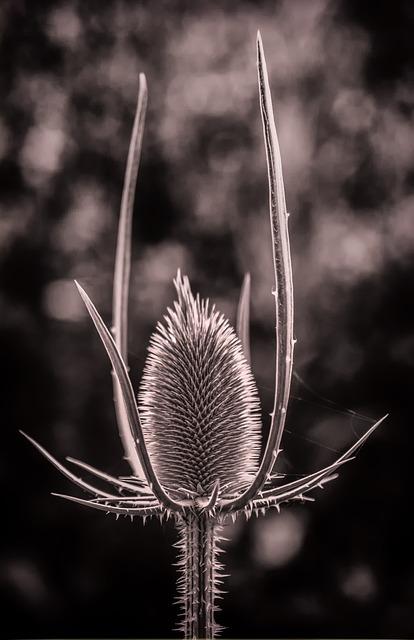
[(342, 82)]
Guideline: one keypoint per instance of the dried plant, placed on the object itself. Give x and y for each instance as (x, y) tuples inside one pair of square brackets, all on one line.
[(193, 438)]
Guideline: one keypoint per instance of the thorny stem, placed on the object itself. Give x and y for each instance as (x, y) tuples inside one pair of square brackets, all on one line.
[(198, 583)]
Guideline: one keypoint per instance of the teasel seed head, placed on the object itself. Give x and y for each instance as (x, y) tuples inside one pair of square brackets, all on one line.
[(198, 401)]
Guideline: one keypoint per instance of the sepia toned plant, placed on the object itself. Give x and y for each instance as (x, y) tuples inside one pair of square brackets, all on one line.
[(193, 438)]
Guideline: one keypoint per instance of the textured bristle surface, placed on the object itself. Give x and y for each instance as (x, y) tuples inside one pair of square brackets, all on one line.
[(199, 405)]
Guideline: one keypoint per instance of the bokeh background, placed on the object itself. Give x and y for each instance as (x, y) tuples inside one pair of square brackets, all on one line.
[(342, 81)]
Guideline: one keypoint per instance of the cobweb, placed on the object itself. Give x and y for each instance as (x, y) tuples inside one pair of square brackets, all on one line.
[(318, 428)]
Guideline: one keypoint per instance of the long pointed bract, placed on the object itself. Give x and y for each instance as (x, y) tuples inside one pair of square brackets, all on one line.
[(273, 492), (307, 484), (243, 317), (129, 402), (213, 498), (68, 474), (298, 485), (122, 272), (283, 285), (139, 500), (126, 511), (121, 484)]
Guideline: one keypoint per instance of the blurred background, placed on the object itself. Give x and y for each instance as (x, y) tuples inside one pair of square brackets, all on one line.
[(342, 82)]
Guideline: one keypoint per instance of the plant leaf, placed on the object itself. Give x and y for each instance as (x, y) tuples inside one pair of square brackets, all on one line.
[(129, 403), (122, 272)]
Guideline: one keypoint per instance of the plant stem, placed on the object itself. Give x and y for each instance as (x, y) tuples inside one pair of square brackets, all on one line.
[(198, 583)]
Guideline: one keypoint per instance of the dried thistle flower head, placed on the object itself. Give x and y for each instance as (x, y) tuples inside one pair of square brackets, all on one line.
[(193, 443), (198, 401)]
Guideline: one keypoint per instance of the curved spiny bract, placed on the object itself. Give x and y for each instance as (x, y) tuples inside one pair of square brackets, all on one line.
[(129, 401), (283, 292), (243, 317), (120, 483), (198, 401), (122, 273), (66, 472), (148, 510)]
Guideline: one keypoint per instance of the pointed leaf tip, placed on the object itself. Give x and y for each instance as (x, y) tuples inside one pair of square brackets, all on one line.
[(260, 49), (143, 81), (80, 289), (243, 317)]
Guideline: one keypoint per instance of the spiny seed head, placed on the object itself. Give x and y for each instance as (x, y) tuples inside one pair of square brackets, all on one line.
[(199, 405)]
